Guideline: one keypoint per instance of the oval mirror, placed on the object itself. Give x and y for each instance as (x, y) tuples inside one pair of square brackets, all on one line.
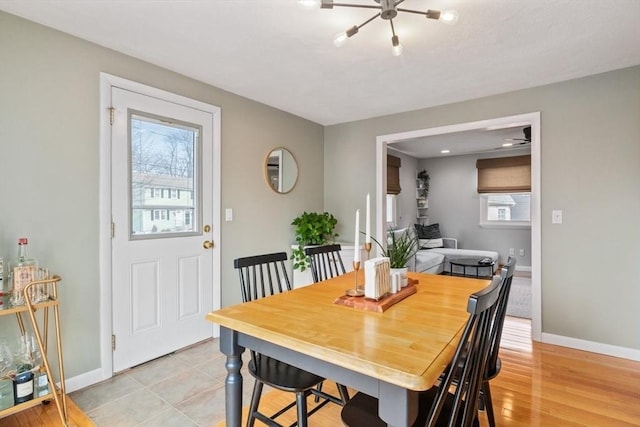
[(281, 170)]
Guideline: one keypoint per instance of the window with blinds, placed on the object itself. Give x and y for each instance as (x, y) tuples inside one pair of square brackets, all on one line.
[(393, 174), (504, 174), (504, 185)]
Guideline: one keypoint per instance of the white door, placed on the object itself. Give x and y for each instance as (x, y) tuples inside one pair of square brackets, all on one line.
[(162, 210)]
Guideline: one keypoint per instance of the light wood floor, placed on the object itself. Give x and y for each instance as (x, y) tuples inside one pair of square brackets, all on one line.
[(47, 416), (540, 385)]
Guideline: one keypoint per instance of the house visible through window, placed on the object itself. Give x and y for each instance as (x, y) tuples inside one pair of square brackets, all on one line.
[(164, 182), (510, 209), (160, 214)]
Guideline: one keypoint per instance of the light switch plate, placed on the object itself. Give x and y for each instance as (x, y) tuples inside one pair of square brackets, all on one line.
[(228, 214), (556, 217)]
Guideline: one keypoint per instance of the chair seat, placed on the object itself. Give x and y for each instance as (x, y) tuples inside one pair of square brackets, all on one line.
[(362, 410), (281, 375)]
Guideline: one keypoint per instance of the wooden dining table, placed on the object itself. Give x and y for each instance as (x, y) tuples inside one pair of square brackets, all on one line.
[(391, 355)]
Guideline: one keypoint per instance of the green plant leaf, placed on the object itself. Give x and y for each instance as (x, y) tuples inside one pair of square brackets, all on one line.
[(311, 228), (399, 249)]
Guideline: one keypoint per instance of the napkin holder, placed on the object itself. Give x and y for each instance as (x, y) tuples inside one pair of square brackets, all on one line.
[(377, 278)]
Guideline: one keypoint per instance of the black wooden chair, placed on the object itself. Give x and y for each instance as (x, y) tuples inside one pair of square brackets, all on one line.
[(494, 364), (325, 262), (439, 406), (262, 276)]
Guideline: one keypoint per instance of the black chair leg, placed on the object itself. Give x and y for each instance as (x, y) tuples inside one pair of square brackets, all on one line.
[(255, 401), (316, 399), (301, 404), (486, 392), (344, 393)]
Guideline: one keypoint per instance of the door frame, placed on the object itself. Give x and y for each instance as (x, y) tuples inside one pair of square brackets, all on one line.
[(536, 228), (107, 81)]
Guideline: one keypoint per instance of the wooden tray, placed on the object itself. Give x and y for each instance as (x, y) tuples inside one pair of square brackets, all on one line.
[(382, 304)]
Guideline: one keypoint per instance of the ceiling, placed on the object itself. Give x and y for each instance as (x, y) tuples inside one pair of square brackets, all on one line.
[(277, 53), (465, 142)]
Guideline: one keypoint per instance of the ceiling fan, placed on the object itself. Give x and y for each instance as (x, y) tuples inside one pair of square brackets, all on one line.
[(509, 142)]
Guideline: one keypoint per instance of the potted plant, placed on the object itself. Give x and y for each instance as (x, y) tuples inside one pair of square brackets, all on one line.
[(312, 228), (402, 245)]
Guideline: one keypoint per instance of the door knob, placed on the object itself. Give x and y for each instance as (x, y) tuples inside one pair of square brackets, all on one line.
[(207, 244)]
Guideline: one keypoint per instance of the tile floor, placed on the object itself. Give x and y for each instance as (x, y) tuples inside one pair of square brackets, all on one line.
[(183, 389)]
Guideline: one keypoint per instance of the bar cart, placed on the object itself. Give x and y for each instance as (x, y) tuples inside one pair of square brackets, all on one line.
[(41, 295)]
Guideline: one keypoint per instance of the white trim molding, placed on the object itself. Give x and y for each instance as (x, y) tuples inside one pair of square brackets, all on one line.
[(591, 346), (536, 227), (84, 380)]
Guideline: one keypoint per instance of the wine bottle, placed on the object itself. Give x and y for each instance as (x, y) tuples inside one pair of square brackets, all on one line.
[(22, 271), (23, 387)]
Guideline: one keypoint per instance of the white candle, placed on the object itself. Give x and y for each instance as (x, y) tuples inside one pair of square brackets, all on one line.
[(367, 236), (356, 249)]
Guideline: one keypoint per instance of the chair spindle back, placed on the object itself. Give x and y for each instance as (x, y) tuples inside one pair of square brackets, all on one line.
[(326, 262), (262, 275)]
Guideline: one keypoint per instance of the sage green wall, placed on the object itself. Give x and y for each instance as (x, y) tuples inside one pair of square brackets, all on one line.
[(49, 136), (590, 168)]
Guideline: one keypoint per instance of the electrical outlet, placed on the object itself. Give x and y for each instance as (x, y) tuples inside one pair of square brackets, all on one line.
[(512, 252), (521, 252)]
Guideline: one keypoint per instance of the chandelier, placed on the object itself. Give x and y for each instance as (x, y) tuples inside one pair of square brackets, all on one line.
[(388, 9)]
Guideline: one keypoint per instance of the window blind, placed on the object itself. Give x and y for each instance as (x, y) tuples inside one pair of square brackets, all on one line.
[(504, 174), (393, 174)]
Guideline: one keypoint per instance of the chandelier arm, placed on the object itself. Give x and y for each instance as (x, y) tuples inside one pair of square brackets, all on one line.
[(368, 20), (393, 30), (361, 6), (417, 12), (398, 2)]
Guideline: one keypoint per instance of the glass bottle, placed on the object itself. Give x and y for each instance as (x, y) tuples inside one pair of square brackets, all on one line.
[(22, 271), (23, 386)]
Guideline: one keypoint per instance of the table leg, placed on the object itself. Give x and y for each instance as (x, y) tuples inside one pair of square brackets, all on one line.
[(233, 382), (397, 406)]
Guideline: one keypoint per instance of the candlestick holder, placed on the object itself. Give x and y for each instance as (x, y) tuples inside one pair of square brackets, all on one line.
[(356, 291), (367, 247)]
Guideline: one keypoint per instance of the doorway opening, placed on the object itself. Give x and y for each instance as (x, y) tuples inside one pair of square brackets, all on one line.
[(531, 119)]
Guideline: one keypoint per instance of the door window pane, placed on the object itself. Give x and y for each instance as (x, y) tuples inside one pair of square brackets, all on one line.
[(164, 177)]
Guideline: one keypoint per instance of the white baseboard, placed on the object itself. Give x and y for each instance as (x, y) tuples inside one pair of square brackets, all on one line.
[(84, 380), (594, 347), (523, 268)]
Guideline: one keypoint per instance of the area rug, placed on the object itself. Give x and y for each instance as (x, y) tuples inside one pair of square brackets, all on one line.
[(519, 304)]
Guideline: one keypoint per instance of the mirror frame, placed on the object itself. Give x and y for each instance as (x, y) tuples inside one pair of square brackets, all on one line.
[(266, 169)]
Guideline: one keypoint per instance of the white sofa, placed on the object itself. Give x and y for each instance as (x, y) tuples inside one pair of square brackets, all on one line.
[(438, 260)]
